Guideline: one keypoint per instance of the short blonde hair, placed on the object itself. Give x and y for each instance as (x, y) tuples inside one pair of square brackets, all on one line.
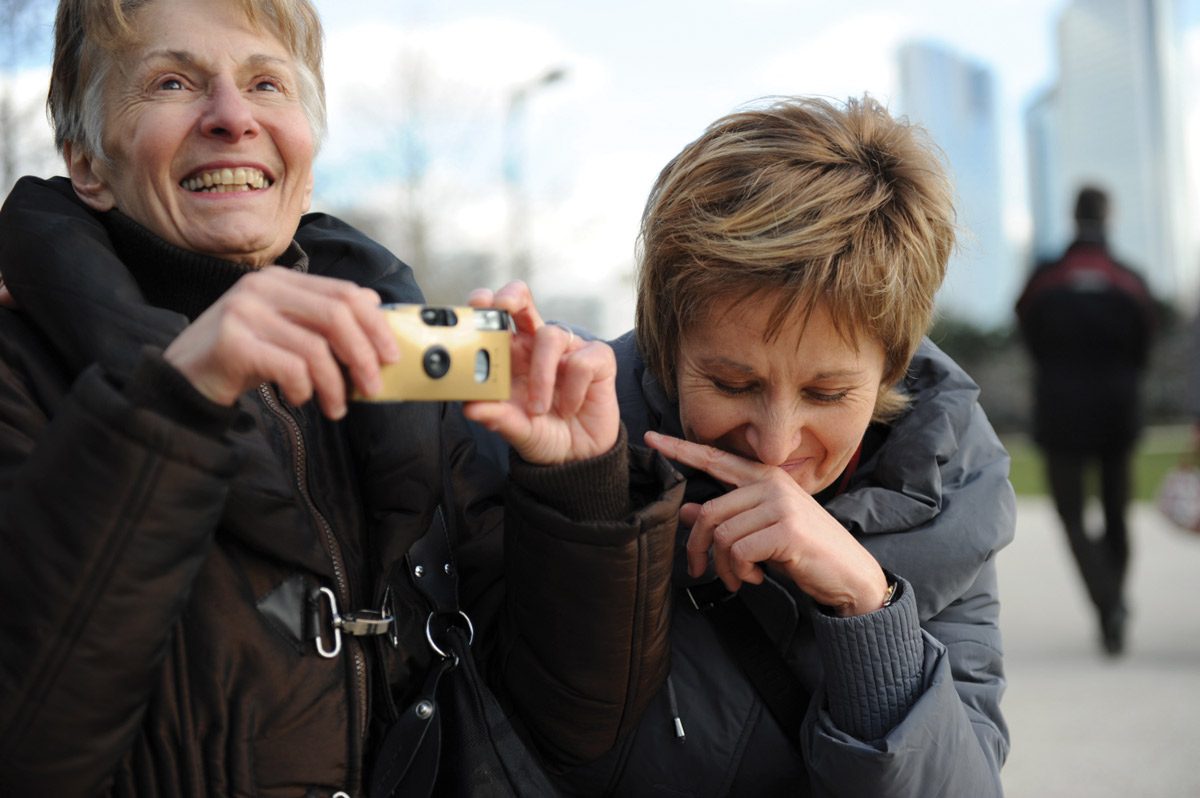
[(89, 33), (810, 201)]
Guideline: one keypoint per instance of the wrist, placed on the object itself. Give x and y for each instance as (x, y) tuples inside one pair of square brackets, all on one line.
[(883, 591)]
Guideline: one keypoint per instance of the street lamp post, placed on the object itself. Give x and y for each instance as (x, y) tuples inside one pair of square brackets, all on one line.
[(519, 245)]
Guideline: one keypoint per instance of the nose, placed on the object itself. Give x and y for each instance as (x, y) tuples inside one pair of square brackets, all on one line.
[(776, 434), (228, 115)]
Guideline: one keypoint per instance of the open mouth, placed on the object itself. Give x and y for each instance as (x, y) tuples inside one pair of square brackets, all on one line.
[(222, 181)]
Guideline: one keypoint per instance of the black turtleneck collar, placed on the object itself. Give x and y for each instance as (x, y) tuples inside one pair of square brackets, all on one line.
[(174, 278)]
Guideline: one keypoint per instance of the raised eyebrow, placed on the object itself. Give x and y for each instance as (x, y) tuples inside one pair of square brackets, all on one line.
[(185, 58)]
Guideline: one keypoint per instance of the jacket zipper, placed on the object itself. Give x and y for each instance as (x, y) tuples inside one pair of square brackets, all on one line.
[(334, 549)]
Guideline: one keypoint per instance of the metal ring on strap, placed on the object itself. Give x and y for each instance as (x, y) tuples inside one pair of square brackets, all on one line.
[(429, 632)]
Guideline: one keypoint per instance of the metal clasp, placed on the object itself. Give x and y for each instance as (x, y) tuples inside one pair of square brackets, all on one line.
[(360, 623), (337, 632)]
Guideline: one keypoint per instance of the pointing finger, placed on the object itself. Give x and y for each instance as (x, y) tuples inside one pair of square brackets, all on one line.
[(728, 468)]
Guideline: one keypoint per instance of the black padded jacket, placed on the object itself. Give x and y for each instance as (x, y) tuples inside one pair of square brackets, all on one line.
[(169, 567)]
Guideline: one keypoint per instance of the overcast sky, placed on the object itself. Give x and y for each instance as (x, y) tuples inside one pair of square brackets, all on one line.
[(641, 80)]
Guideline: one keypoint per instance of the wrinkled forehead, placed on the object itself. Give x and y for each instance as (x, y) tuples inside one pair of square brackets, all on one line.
[(151, 21), (787, 312)]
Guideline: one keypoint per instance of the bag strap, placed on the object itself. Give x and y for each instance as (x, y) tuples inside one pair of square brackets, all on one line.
[(411, 749), (431, 566), (752, 649), (414, 732)]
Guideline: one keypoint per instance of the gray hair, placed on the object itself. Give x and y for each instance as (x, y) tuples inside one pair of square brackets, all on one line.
[(88, 33)]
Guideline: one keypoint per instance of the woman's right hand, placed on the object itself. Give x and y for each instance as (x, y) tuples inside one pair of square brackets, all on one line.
[(767, 519), (563, 406), (295, 330)]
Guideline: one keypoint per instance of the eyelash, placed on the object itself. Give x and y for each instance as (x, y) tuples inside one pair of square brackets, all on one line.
[(274, 84), (826, 398), (815, 396), (732, 390)]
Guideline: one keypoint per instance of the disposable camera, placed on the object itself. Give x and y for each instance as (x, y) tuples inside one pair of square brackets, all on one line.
[(447, 354)]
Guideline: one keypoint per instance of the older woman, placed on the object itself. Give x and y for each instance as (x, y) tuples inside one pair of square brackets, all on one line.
[(833, 609), (188, 505)]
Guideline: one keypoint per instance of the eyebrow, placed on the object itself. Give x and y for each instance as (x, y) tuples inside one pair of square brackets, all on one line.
[(726, 363), (189, 59)]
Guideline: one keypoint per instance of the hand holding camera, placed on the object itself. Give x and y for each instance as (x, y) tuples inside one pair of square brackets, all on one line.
[(306, 333), (563, 403), (446, 354)]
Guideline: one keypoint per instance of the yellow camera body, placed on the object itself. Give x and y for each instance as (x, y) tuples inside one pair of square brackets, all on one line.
[(447, 354)]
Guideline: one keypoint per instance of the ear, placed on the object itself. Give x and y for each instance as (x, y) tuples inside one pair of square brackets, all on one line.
[(308, 192), (88, 185)]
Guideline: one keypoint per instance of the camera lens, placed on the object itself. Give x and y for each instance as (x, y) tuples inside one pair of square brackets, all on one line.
[(436, 362)]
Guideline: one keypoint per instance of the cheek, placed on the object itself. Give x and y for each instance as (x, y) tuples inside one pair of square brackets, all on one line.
[(707, 422), (296, 145)]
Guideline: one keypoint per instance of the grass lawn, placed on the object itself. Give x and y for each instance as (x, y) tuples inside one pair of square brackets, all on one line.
[(1159, 449)]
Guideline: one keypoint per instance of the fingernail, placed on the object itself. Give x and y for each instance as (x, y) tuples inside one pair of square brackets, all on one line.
[(537, 409)]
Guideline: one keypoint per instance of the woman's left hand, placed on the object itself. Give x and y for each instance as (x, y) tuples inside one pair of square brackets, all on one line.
[(563, 405), (768, 518)]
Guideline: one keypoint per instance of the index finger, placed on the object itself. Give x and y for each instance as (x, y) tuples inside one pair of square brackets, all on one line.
[(516, 298), (728, 468)]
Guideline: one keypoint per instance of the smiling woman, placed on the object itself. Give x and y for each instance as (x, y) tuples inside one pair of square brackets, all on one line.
[(832, 605), (206, 571), (206, 138)]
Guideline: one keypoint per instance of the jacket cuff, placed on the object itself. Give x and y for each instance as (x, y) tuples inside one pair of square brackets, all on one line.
[(158, 386), (596, 489), (873, 665)]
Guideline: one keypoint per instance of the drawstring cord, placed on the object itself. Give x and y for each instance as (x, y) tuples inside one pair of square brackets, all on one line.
[(674, 705)]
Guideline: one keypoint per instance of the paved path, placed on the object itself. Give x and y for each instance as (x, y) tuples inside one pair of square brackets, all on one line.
[(1083, 725)]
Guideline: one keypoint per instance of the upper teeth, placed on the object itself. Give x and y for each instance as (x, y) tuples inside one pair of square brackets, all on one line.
[(227, 179)]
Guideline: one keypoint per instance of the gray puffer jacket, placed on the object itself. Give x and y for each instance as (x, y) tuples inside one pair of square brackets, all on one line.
[(905, 700)]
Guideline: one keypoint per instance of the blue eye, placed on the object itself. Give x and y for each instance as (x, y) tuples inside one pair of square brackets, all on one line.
[(267, 85), (171, 84)]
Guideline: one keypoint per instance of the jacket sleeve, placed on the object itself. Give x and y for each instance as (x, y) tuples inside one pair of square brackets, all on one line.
[(951, 739), (107, 511), (582, 637), (937, 685)]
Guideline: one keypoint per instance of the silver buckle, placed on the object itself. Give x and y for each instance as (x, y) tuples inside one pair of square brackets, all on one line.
[(337, 632), (361, 623)]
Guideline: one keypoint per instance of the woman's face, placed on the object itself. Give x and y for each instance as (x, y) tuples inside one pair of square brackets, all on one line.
[(208, 145), (801, 401)]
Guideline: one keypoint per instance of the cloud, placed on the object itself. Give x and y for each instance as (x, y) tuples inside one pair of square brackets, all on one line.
[(845, 59)]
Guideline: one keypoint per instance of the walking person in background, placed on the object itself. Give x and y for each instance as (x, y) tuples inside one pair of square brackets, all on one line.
[(1087, 321)]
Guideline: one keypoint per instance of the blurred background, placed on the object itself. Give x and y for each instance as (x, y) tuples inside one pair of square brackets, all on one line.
[(483, 141), (482, 144)]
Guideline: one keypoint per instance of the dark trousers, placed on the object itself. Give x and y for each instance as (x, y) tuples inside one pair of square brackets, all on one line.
[(1102, 559)]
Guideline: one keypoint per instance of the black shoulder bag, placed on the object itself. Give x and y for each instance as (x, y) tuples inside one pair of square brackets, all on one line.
[(454, 739)]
